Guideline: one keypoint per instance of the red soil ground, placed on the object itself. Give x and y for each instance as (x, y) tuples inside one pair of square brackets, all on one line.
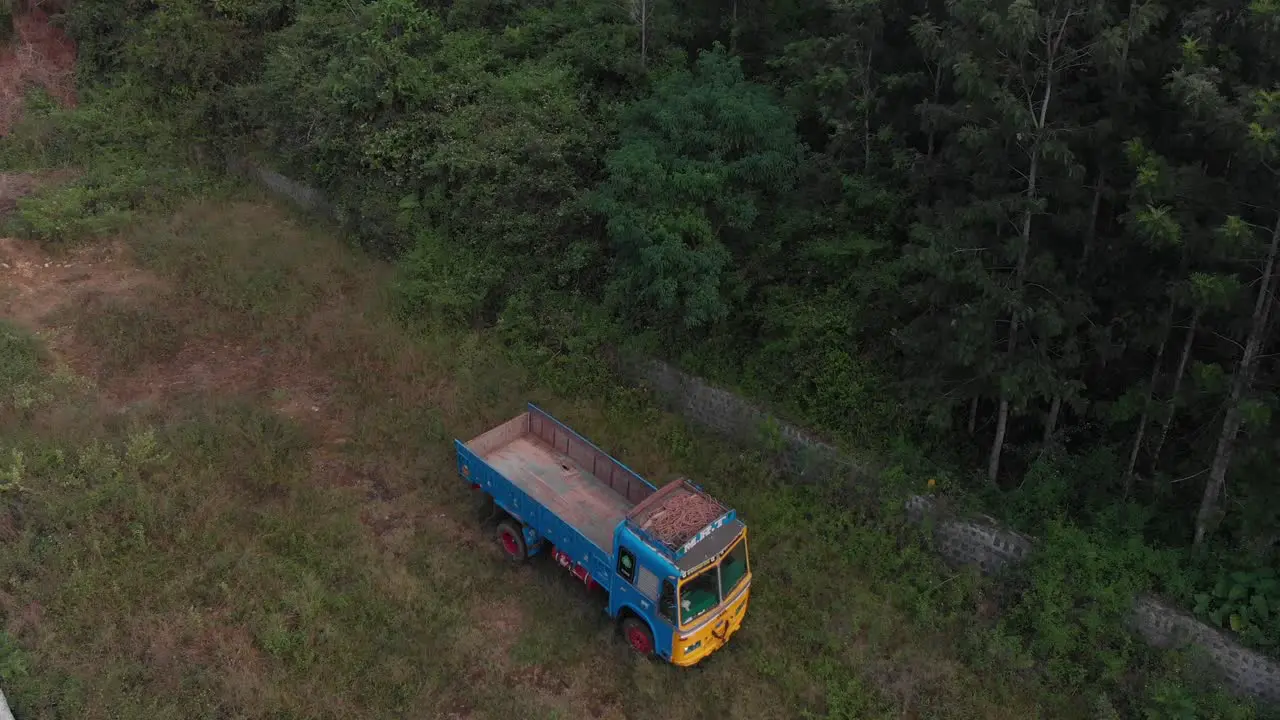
[(38, 54)]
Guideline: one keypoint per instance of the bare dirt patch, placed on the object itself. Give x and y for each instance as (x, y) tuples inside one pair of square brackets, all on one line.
[(221, 367), (46, 293), (39, 54), (82, 304), (34, 285)]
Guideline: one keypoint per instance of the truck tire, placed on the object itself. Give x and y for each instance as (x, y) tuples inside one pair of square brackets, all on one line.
[(638, 636), (511, 538)]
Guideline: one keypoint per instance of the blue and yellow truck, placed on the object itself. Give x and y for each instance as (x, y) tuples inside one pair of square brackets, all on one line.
[(673, 561)]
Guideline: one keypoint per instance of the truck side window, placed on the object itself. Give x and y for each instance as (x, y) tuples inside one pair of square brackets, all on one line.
[(667, 604), (627, 565)]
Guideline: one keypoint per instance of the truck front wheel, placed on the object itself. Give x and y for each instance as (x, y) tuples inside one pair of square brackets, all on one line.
[(512, 540), (638, 636)]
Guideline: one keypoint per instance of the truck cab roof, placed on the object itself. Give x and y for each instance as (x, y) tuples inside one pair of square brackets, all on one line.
[(685, 524)]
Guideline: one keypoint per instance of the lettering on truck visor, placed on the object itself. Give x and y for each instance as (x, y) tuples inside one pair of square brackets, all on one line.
[(705, 532)]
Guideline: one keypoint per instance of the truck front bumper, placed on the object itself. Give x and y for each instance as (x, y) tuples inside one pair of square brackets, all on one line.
[(694, 645)]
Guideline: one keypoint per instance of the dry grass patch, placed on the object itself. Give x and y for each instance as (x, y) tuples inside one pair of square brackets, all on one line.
[(300, 545)]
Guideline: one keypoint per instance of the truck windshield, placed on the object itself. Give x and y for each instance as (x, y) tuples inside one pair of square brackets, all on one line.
[(733, 568), (710, 587)]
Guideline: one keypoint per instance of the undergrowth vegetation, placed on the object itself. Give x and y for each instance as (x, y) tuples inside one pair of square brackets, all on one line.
[(554, 180), (21, 357), (909, 226), (209, 553), (122, 168)]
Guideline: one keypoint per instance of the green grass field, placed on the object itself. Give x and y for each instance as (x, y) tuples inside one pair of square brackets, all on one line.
[(229, 491)]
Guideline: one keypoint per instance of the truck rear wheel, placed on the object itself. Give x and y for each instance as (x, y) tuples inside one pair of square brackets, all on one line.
[(638, 636), (511, 537)]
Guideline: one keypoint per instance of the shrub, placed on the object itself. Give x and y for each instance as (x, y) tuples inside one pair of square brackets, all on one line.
[(443, 281), (21, 358), (13, 661), (102, 201), (6, 20), (1245, 601), (1073, 597), (68, 213)]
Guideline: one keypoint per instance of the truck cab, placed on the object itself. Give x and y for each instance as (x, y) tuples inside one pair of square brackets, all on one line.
[(674, 560), (688, 578)]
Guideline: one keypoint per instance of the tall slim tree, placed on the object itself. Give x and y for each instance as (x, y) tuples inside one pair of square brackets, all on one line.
[(1229, 99)]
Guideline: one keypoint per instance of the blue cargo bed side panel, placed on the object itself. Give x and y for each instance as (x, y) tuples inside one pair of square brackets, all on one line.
[(516, 502)]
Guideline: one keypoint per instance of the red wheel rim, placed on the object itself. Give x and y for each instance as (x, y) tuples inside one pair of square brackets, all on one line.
[(639, 640), (509, 543)]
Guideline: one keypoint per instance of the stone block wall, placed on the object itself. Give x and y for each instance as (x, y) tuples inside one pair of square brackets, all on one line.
[(979, 541), (798, 453), (961, 541), (970, 541), (1244, 670), (306, 198)]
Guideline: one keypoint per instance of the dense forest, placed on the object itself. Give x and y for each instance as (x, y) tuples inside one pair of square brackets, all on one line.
[(1034, 241)]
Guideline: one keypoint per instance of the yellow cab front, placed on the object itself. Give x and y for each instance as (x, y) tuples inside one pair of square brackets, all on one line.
[(712, 603)]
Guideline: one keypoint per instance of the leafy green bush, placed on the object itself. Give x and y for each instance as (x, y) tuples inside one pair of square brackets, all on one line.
[(21, 357), (6, 20), (560, 338), (1247, 602), (809, 359), (688, 191), (443, 281), (1072, 599), (106, 198), (182, 57), (67, 214), (111, 126), (1174, 691), (127, 159), (13, 661), (489, 150)]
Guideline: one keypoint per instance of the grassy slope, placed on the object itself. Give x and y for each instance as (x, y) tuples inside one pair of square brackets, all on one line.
[(255, 513)]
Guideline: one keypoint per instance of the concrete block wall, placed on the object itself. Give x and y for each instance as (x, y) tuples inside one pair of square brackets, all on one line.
[(1246, 671), (798, 453), (970, 541), (979, 541), (306, 198)]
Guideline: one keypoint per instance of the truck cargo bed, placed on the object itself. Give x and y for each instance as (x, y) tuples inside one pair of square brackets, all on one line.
[(567, 489), (559, 470)]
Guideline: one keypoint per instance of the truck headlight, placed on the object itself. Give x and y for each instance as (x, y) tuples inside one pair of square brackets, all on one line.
[(693, 647)]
